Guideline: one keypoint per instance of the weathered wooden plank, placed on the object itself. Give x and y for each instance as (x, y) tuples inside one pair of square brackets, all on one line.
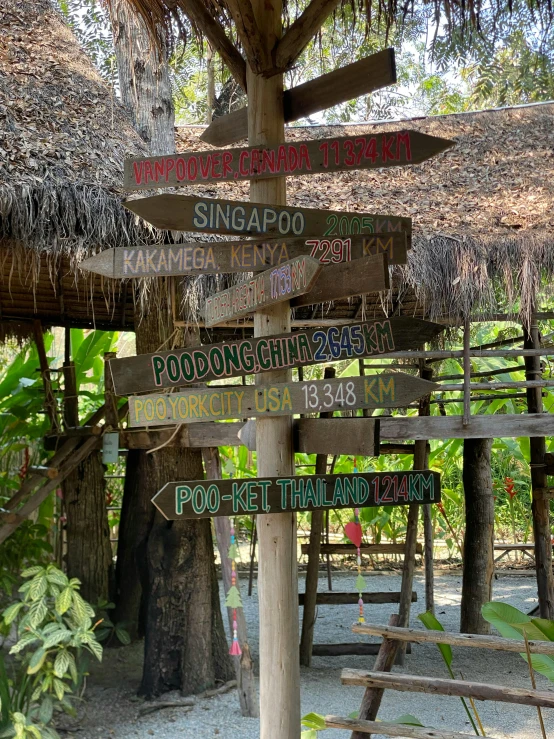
[(481, 427), (180, 367), (387, 729), (310, 438), (362, 151), (364, 548), (418, 636), (290, 280), (206, 215), (254, 255), (347, 83), (339, 599), (346, 280), (226, 402), (342, 650), (206, 498), (197, 436), (440, 686)]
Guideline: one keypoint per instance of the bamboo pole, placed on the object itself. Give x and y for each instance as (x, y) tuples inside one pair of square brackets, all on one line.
[(244, 667), (277, 566), (418, 636), (426, 373), (540, 506), (467, 372), (314, 548)]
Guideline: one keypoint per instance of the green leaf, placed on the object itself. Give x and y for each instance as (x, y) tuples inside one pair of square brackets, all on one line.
[(58, 577), (506, 619), (61, 664), (64, 600), (25, 641), (545, 627), (59, 688), (96, 649), (36, 661), (38, 587), (32, 571), (11, 612), (123, 635), (313, 721), (46, 710), (433, 624), (310, 734), (407, 719), (37, 613), (62, 636)]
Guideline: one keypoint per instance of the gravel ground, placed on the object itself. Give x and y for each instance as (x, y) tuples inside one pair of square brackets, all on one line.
[(112, 708)]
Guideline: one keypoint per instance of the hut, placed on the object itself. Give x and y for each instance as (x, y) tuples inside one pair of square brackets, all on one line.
[(63, 137)]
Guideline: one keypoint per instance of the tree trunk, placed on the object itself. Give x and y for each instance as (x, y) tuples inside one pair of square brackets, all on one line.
[(89, 555), (185, 645), (479, 535)]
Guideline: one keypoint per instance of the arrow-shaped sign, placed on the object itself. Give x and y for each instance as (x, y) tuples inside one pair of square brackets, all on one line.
[(288, 398), (363, 151), (211, 257), (179, 367), (206, 498), (192, 213), (336, 87), (275, 285)]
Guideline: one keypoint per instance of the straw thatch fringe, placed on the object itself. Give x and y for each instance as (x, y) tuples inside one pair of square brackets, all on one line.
[(463, 277)]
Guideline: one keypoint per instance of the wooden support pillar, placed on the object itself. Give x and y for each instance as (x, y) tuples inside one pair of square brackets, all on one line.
[(479, 535), (70, 399), (244, 667), (277, 565), (314, 548), (50, 401), (540, 504), (426, 373)]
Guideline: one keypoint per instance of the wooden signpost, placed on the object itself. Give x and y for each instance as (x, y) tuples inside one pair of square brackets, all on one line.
[(289, 280), (362, 151), (240, 256), (279, 399), (178, 367), (206, 498), (340, 86), (193, 213)]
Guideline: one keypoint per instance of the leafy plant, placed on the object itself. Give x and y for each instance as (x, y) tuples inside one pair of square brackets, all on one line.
[(54, 629), (314, 722), (431, 622), (513, 624)]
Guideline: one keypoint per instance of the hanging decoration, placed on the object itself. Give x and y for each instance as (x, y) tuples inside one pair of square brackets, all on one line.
[(353, 531), (233, 599)]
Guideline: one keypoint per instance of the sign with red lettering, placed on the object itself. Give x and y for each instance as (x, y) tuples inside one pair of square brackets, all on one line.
[(275, 285), (364, 151), (211, 257)]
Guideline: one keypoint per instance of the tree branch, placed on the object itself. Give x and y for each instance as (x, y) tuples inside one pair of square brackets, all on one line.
[(249, 34), (209, 26), (301, 32)]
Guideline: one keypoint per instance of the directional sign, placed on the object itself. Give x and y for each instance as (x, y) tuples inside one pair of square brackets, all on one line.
[(279, 399), (347, 83), (361, 151), (346, 280), (275, 285), (179, 367), (192, 213), (205, 498), (240, 256)]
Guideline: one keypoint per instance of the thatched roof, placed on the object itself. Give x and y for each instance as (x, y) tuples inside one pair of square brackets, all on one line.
[(483, 211), (63, 139)]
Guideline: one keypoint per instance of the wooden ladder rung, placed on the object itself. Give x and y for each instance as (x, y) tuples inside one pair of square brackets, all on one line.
[(386, 729), (441, 686)]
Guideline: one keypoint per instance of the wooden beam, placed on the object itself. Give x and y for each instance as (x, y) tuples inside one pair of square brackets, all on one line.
[(201, 17), (440, 686), (418, 636), (341, 599), (249, 35), (50, 400), (302, 31), (342, 650), (386, 729), (42, 471), (199, 436), (339, 86)]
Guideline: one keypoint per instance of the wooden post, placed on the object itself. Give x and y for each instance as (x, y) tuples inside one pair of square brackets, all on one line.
[(277, 565), (541, 504), (420, 463), (50, 401), (479, 535), (70, 399), (426, 373), (467, 374), (314, 547), (110, 402), (244, 668), (371, 702)]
